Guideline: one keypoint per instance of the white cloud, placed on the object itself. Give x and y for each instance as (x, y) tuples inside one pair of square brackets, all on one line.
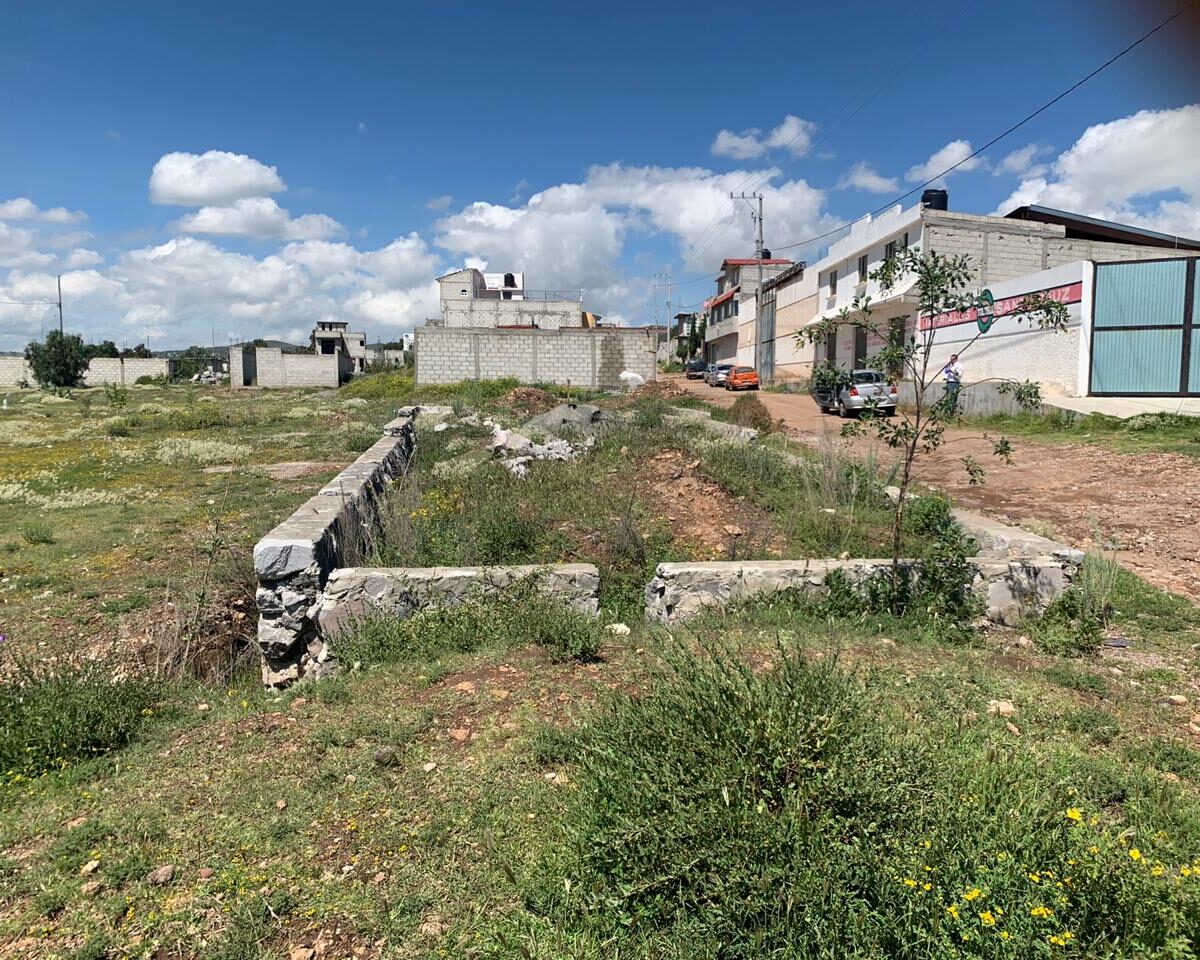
[(862, 176), (22, 208), (81, 257), (956, 151), (438, 204), (1023, 162), (214, 178), (1141, 169), (259, 217), (362, 127), (793, 134)]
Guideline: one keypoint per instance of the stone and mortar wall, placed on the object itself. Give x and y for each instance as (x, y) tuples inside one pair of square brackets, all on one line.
[(585, 358), (1011, 589), (294, 561), (353, 593), (14, 371)]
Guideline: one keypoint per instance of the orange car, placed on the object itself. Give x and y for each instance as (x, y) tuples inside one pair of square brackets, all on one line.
[(742, 378)]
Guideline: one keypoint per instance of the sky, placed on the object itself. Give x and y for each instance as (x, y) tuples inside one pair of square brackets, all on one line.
[(223, 171)]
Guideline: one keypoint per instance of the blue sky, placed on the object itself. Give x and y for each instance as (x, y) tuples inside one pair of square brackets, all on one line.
[(590, 147)]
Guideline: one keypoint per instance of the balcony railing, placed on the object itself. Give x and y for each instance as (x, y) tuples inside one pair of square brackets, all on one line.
[(724, 328), (574, 296)]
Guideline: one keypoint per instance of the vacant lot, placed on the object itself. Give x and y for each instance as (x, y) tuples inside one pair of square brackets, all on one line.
[(506, 779)]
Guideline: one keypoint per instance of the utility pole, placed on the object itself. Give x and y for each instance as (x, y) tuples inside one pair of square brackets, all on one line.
[(60, 320)]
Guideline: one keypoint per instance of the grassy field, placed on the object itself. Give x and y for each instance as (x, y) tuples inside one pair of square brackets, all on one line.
[(1146, 433), (506, 779)]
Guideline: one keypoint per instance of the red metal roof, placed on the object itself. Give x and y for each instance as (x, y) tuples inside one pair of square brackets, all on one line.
[(722, 298), (751, 262)]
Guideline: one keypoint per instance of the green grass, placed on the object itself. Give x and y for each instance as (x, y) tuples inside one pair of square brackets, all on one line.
[(1145, 433)]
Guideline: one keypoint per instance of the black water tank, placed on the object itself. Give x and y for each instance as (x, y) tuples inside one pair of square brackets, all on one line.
[(935, 200), (766, 254)]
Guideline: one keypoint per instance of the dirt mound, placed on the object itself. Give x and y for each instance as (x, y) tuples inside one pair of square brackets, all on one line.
[(529, 399), (703, 514), (667, 389)]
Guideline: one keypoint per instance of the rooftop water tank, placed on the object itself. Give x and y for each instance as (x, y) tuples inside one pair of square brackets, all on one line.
[(935, 200)]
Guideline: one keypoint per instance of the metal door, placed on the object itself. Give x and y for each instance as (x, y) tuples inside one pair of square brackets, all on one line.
[(1144, 315)]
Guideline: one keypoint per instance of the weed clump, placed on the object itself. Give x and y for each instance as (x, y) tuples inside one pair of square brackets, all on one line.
[(176, 450), (749, 411), (735, 813), (52, 715)]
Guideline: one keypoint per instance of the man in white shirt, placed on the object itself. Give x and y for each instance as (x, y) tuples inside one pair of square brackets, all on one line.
[(952, 373)]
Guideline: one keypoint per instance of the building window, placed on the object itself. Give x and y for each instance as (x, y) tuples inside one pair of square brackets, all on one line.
[(890, 250), (862, 269), (905, 247), (833, 283)]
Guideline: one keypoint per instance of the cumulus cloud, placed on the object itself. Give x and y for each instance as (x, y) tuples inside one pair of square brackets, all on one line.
[(862, 176), (438, 204), (259, 217), (955, 151), (213, 178), (1023, 162), (793, 134), (1141, 169), (22, 208)]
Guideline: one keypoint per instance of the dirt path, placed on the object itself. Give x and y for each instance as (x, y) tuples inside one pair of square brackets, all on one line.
[(1148, 503)]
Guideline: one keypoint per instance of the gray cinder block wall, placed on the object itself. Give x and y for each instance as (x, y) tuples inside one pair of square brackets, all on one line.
[(582, 357), (14, 371)]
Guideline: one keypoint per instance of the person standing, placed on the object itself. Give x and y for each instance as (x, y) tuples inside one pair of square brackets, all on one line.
[(952, 373)]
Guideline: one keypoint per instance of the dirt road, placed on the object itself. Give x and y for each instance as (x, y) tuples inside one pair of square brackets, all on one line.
[(1149, 503)]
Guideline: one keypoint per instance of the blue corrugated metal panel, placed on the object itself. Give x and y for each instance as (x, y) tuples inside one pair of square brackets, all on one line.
[(1137, 361), (1140, 294), (1194, 365)]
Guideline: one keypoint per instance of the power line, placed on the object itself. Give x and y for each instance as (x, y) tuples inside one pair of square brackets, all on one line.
[(30, 303), (1016, 126)]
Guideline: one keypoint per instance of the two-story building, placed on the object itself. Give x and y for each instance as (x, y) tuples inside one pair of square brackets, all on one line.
[(331, 337), (731, 316)]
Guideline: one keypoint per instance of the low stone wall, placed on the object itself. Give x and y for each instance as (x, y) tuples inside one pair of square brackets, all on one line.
[(294, 561), (974, 399), (354, 593), (1010, 589)]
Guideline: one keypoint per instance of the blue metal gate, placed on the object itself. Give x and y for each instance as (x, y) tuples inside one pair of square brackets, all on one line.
[(1144, 317)]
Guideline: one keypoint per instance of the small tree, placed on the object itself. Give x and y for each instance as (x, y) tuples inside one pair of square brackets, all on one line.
[(59, 361), (942, 286), (140, 351), (191, 361), (105, 348), (694, 341)]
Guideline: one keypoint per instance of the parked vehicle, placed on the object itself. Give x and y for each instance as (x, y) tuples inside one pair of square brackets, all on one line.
[(695, 369), (742, 378), (717, 373), (854, 393)]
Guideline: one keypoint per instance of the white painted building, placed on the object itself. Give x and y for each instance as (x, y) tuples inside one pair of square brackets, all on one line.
[(471, 298)]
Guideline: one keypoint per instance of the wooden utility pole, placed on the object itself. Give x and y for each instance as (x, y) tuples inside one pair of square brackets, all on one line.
[(60, 319)]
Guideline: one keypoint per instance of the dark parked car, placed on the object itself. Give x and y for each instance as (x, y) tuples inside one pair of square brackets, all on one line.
[(695, 369)]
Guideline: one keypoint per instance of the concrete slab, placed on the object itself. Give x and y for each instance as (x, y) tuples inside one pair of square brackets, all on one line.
[(1125, 407)]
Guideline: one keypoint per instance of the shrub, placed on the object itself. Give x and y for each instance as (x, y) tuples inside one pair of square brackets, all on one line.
[(37, 533), (1075, 621), (177, 450), (784, 813), (52, 715), (749, 411), (59, 361), (148, 381), (116, 427), (116, 396)]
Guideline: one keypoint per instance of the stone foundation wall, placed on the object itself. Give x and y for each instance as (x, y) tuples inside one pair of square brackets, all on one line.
[(294, 561), (353, 593), (1011, 589)]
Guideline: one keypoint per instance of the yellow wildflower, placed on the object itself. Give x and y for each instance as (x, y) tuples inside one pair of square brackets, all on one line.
[(1185, 871), (1062, 939), (1035, 878), (927, 887), (910, 882), (973, 894), (987, 918), (1073, 813), (1041, 912), (1135, 854), (1157, 870), (1005, 935), (953, 910)]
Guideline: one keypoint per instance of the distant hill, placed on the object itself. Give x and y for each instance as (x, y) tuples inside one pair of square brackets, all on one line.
[(223, 351)]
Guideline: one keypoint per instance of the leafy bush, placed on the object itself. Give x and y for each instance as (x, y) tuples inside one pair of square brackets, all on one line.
[(731, 814), (116, 396), (54, 714), (58, 361), (148, 381), (749, 411), (116, 427), (516, 618), (1074, 623)]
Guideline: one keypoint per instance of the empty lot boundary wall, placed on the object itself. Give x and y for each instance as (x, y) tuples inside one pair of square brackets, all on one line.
[(271, 367), (584, 358)]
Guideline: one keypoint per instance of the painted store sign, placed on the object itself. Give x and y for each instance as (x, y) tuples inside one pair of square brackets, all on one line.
[(988, 309)]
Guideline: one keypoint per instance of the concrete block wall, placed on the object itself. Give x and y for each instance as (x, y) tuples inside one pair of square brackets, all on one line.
[(124, 370), (586, 358), (14, 371), (546, 314), (311, 370)]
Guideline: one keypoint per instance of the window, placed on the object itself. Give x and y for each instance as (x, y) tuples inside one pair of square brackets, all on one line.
[(862, 269), (905, 247), (833, 283), (891, 250)]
